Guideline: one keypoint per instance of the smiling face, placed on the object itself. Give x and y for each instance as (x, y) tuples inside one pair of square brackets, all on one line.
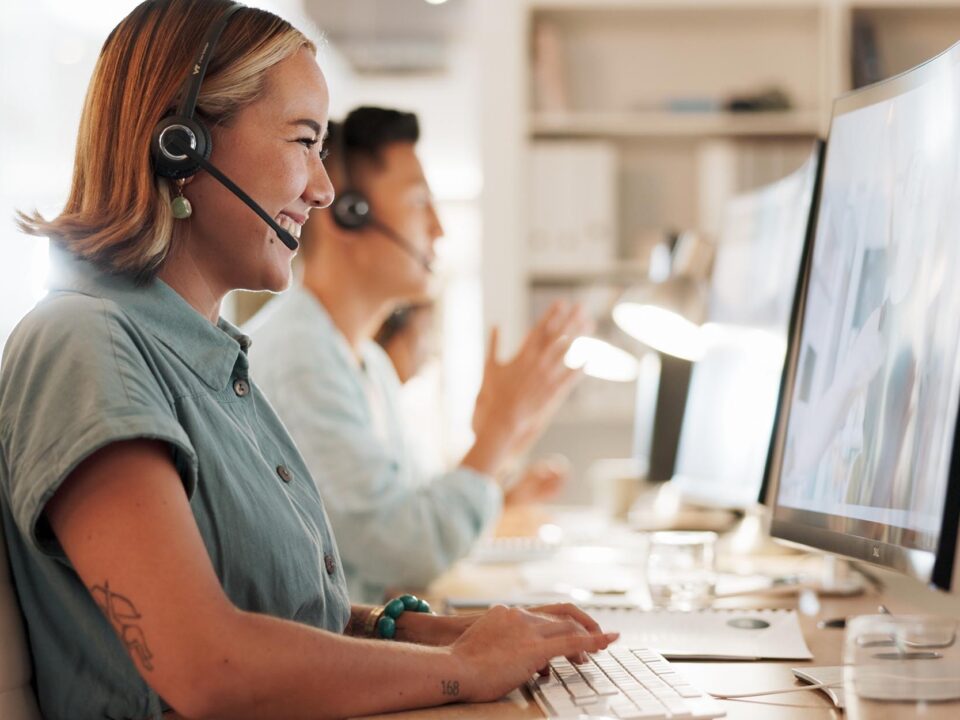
[(271, 149)]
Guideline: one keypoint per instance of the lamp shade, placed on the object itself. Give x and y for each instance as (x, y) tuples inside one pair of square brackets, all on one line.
[(600, 359), (665, 316)]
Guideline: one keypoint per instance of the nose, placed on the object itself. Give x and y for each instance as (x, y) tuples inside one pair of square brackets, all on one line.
[(319, 191), (436, 228)]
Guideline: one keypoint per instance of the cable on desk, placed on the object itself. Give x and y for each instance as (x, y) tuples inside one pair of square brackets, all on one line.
[(781, 691), (824, 685)]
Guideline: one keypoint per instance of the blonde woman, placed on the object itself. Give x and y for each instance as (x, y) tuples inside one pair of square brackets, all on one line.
[(170, 550)]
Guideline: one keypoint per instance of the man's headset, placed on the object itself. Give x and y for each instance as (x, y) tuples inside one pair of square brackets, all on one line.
[(351, 209), (181, 143)]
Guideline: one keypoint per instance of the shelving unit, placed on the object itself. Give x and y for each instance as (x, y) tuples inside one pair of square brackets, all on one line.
[(651, 79), (652, 124)]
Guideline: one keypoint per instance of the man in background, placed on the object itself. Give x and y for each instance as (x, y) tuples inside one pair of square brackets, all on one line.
[(337, 392)]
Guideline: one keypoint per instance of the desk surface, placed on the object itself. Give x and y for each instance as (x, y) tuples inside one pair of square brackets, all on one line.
[(728, 677)]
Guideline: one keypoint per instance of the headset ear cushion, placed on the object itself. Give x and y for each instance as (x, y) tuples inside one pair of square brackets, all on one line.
[(351, 210), (167, 161)]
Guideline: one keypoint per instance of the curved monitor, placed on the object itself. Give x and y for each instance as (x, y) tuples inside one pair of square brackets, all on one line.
[(869, 427), (732, 400)]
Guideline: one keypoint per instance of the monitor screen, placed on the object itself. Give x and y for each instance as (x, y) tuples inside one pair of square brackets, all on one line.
[(734, 388), (871, 419)]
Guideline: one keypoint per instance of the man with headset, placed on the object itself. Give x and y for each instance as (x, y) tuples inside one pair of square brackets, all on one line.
[(337, 392)]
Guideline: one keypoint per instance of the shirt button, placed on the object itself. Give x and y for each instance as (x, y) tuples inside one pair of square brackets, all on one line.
[(241, 387), (284, 473), (329, 564)]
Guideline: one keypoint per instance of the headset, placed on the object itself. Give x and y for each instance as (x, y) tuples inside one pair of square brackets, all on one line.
[(351, 210), (181, 142)]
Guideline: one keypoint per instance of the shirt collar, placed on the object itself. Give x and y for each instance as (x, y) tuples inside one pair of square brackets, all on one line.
[(211, 351)]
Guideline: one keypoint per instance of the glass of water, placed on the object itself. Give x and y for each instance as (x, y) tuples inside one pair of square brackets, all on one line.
[(681, 572), (903, 666)]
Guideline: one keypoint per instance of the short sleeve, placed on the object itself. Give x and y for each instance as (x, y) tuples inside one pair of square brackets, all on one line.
[(77, 375)]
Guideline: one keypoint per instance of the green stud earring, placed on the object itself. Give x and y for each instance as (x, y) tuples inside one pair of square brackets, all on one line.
[(180, 206)]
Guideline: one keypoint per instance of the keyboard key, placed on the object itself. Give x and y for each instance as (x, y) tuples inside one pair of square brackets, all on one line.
[(559, 701), (580, 690), (642, 714), (678, 708)]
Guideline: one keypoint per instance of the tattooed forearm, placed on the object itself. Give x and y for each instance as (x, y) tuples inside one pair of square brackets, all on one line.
[(450, 688), (123, 616)]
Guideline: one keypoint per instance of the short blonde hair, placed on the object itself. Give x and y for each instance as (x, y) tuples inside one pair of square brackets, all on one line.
[(118, 212)]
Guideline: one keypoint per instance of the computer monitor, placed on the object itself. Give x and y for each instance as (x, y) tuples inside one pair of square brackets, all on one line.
[(868, 466), (732, 401)]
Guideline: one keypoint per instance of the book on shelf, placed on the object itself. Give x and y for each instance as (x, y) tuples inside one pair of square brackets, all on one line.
[(574, 216)]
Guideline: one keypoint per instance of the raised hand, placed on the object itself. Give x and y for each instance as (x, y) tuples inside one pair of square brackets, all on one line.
[(517, 398)]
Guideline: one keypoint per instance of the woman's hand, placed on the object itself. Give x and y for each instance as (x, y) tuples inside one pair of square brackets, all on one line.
[(437, 630), (506, 646), (519, 397), (540, 481)]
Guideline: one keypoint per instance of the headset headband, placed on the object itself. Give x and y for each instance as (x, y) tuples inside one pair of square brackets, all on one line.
[(191, 86)]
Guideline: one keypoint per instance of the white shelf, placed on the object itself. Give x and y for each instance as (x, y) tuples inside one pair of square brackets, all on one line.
[(789, 123), (622, 272)]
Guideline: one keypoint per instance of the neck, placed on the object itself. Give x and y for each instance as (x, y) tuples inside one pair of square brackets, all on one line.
[(183, 273), (355, 314)]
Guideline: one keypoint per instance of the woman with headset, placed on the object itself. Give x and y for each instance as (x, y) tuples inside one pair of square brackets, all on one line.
[(170, 551)]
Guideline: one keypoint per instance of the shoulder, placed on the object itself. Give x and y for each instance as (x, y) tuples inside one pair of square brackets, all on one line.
[(73, 347), (291, 336), (69, 321)]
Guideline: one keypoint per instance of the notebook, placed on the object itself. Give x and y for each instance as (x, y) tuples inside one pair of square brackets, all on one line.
[(708, 634)]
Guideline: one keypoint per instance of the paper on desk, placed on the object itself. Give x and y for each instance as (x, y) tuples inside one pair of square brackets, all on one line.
[(708, 634)]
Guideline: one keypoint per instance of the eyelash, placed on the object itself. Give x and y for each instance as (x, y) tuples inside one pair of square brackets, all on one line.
[(309, 143)]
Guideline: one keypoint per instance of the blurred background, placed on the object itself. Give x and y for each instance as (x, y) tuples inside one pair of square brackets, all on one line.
[(577, 148)]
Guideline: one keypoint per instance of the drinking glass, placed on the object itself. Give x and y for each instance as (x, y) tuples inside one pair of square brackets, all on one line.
[(681, 572)]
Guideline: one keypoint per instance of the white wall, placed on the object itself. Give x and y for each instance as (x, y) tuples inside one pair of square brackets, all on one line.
[(48, 49)]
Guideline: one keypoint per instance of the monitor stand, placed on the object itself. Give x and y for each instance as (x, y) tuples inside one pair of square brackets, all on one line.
[(749, 538), (836, 579), (913, 688)]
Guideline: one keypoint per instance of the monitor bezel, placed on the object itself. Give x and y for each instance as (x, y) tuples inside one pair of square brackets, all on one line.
[(796, 526)]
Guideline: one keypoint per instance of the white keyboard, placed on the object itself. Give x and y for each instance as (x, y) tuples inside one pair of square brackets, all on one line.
[(621, 682)]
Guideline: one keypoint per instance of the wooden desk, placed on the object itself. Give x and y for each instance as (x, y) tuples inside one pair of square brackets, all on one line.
[(727, 677)]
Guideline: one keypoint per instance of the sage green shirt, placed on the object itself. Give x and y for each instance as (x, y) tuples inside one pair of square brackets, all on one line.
[(101, 360)]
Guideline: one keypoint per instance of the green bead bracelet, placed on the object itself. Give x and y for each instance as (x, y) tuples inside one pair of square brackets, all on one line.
[(387, 624)]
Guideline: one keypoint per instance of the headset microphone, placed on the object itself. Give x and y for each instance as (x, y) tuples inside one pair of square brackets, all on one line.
[(285, 237), (351, 211), (403, 244), (181, 142)]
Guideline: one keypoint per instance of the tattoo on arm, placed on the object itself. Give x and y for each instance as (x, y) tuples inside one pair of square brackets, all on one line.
[(123, 616), (450, 688)]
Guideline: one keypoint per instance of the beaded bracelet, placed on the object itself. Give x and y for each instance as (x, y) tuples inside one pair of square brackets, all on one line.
[(387, 622)]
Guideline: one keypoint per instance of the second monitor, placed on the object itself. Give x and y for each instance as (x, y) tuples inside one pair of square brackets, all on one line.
[(733, 392)]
